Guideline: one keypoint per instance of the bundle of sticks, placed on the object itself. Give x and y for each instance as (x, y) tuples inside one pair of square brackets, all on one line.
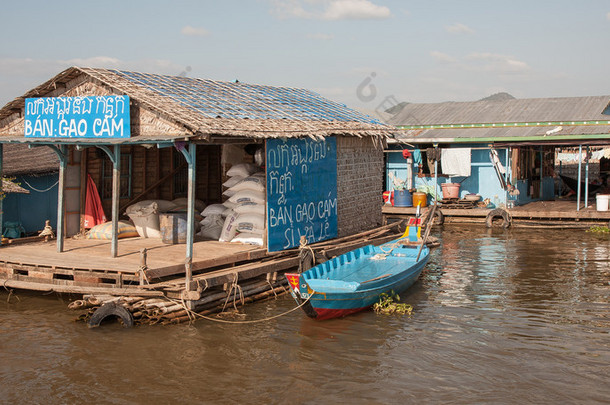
[(162, 310)]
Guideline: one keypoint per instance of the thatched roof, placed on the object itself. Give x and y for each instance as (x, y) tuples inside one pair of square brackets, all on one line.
[(18, 159), (10, 187), (209, 108)]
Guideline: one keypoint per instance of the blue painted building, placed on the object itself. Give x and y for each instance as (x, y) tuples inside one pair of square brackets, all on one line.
[(524, 134), (36, 171)]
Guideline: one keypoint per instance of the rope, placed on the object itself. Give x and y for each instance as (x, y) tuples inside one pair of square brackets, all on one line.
[(35, 189), (192, 314)]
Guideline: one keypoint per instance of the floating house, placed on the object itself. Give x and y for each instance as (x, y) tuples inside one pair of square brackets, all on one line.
[(505, 151), (141, 136)]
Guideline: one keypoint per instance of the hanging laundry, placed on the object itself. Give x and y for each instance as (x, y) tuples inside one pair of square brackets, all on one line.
[(455, 161), (94, 212)]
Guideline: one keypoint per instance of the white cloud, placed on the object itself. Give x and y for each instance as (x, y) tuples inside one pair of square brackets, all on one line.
[(442, 57), (194, 31), (494, 62), (331, 10), (459, 28), (355, 10), (320, 37)]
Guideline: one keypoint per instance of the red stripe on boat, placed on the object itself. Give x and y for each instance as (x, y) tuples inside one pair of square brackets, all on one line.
[(329, 313)]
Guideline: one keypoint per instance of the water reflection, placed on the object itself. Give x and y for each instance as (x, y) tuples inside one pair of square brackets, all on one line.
[(501, 316)]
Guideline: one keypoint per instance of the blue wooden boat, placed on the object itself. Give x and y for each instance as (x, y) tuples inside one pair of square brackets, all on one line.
[(354, 281)]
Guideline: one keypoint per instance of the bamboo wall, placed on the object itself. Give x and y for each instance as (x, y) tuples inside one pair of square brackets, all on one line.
[(360, 171)]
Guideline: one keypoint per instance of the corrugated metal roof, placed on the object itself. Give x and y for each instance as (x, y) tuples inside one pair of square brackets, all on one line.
[(538, 113), (474, 135), (517, 110)]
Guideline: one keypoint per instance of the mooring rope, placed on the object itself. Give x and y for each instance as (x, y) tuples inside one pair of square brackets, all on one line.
[(193, 315)]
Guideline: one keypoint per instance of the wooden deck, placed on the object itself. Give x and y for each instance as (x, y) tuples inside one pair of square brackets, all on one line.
[(551, 213), (86, 266)]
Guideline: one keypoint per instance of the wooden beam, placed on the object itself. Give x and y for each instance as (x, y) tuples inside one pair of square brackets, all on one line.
[(28, 285)]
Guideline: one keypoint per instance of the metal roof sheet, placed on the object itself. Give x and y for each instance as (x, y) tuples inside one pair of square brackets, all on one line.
[(517, 110)]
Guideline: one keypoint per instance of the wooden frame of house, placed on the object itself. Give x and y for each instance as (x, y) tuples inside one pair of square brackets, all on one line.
[(179, 129)]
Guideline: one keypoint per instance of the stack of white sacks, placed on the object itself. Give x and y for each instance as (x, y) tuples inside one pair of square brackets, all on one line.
[(241, 218)]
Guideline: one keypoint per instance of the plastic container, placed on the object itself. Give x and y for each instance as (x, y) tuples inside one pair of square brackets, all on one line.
[(420, 199), (402, 198), (451, 190), (602, 202), (173, 227)]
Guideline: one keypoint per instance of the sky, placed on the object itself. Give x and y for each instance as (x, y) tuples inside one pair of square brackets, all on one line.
[(367, 54)]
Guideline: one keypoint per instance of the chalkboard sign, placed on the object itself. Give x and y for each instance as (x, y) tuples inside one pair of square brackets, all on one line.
[(301, 191), (77, 117)]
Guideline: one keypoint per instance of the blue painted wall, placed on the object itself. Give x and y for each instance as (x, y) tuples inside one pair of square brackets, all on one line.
[(32, 210), (483, 179)]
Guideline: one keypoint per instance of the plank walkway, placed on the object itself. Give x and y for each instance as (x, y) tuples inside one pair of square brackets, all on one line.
[(539, 210)]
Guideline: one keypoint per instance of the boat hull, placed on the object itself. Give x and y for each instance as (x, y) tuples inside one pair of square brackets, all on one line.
[(359, 279)]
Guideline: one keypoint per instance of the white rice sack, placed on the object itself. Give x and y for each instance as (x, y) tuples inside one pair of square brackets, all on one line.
[(250, 208), (249, 238), (229, 204), (183, 202), (233, 181), (212, 228), (227, 212), (253, 223), (248, 196), (229, 193), (213, 209), (229, 228), (147, 207), (250, 183), (242, 169)]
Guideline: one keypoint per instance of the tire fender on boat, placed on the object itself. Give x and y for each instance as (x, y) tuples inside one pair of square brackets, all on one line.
[(498, 213), (111, 309)]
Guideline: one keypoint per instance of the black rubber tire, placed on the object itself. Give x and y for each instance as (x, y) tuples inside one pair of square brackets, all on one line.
[(111, 309), (498, 212), (439, 218)]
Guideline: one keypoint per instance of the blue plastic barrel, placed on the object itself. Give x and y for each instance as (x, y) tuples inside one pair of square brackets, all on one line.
[(402, 198)]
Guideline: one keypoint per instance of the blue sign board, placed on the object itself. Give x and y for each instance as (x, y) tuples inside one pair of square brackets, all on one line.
[(77, 117), (301, 191)]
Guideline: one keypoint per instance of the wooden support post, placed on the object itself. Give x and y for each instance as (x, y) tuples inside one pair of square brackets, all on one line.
[(116, 193), (190, 154), (115, 158), (143, 265), (579, 177), (587, 177), (61, 152)]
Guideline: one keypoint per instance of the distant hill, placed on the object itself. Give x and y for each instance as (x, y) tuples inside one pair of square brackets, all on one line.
[(397, 108), (498, 97)]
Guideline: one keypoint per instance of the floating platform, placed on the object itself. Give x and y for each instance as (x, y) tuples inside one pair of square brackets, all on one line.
[(550, 214)]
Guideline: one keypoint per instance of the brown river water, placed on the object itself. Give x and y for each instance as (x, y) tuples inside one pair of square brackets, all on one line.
[(516, 316)]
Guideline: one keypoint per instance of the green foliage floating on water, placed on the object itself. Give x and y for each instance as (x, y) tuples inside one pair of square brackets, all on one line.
[(599, 229), (387, 305)]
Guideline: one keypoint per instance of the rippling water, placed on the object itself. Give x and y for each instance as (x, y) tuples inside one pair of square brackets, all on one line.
[(499, 317)]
